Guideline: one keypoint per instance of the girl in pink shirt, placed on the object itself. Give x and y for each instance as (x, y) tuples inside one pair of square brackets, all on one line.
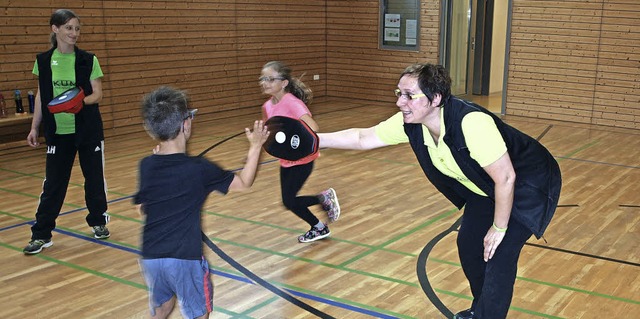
[(288, 98)]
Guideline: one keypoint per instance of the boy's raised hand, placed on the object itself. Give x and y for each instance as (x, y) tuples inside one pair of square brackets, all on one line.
[(258, 135)]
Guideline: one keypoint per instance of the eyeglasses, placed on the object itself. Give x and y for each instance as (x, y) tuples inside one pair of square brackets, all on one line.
[(269, 79), (407, 96), (191, 114)]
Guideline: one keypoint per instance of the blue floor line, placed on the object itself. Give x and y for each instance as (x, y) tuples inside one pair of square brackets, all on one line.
[(329, 302)]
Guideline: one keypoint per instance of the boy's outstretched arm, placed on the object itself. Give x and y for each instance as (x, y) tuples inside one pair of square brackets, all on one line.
[(256, 137)]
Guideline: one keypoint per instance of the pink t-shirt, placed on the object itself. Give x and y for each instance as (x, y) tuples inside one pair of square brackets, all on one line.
[(293, 107)]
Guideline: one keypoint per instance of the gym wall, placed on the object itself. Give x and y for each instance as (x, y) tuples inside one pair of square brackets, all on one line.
[(576, 61), (569, 60)]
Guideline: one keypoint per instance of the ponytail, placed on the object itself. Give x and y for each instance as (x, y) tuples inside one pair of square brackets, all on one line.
[(54, 42), (295, 86), (300, 90)]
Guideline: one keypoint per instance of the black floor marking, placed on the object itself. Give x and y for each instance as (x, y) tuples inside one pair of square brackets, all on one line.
[(261, 281), (421, 269), (619, 261), (246, 271), (220, 142), (544, 132), (572, 252)]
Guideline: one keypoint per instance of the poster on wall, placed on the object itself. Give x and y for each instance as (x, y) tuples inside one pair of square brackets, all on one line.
[(392, 34), (411, 31), (392, 20), (399, 25)]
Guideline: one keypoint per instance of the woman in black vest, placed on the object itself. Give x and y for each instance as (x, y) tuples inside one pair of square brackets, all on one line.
[(507, 182), (64, 67)]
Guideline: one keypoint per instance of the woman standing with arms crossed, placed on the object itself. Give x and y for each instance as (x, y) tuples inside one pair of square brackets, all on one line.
[(507, 182), (289, 97), (63, 67)]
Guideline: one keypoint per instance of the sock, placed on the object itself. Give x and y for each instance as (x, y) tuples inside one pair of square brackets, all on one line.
[(319, 225)]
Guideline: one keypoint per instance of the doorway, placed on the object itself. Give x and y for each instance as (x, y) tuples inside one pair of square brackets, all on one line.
[(473, 49)]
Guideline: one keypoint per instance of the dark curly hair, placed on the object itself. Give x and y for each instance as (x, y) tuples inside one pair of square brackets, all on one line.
[(432, 79), (164, 111)]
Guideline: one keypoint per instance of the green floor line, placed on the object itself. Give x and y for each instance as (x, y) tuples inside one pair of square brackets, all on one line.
[(77, 267), (531, 312), (401, 236), (368, 274), (131, 219), (355, 243), (546, 283), (348, 302), (42, 178), (420, 227), (67, 204), (35, 196), (90, 235), (453, 294), (578, 150), (74, 231), (20, 193), (364, 306), (233, 314), (15, 216), (442, 261), (245, 314), (535, 313), (9, 178), (588, 292), (362, 272), (315, 262), (144, 287), (38, 175), (97, 273), (318, 294), (372, 248), (300, 231)]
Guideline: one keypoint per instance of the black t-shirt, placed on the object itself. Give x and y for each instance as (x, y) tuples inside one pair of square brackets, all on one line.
[(172, 190)]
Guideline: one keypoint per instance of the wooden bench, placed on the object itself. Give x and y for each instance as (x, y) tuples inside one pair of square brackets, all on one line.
[(15, 127)]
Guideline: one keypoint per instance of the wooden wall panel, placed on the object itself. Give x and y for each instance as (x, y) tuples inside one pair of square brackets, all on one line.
[(356, 67), (576, 61), (212, 49), (617, 93), (553, 54)]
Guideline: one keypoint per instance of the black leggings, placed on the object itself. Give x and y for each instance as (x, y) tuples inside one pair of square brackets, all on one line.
[(60, 159), (491, 282), (291, 181)]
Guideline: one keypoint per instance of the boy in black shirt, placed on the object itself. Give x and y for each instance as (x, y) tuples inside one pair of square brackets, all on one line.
[(172, 189)]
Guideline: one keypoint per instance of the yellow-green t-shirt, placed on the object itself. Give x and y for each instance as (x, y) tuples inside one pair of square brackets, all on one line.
[(481, 136), (63, 75)]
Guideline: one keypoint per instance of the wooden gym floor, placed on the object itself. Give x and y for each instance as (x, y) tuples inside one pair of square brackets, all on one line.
[(588, 268)]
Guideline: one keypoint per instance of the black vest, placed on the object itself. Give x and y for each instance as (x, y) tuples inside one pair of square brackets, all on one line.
[(88, 121), (538, 180)]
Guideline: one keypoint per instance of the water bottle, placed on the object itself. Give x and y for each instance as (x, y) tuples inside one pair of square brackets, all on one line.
[(3, 107), (18, 98), (32, 101)]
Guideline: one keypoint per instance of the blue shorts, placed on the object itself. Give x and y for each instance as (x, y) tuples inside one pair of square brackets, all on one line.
[(186, 279)]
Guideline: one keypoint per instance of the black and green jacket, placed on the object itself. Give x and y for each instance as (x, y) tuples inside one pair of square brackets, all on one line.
[(88, 121), (538, 179)]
